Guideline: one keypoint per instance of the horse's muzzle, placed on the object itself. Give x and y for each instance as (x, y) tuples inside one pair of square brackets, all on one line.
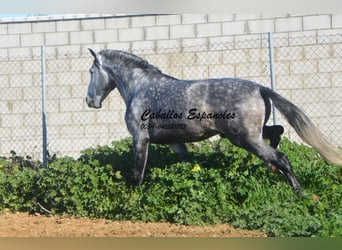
[(92, 103)]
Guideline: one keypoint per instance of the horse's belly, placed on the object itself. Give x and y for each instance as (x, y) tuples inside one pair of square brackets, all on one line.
[(179, 133)]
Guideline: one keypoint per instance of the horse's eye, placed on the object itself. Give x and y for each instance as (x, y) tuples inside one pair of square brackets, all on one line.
[(91, 70)]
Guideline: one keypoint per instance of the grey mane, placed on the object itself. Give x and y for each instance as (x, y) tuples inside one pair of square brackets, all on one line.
[(128, 58)]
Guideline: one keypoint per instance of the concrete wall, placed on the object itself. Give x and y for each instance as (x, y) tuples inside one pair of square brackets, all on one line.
[(308, 52)]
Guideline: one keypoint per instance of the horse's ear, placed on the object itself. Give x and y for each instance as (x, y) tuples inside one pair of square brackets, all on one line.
[(92, 52), (94, 55)]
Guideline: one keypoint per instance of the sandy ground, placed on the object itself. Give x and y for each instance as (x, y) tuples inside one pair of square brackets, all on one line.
[(25, 225)]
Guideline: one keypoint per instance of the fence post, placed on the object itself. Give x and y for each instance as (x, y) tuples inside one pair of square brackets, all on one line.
[(44, 131), (271, 61)]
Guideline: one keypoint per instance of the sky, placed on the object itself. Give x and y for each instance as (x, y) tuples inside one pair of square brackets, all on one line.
[(167, 6)]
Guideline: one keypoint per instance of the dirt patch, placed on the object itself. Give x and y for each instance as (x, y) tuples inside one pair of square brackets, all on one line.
[(25, 225)]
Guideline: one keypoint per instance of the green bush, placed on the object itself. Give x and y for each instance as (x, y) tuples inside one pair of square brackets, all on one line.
[(222, 184)]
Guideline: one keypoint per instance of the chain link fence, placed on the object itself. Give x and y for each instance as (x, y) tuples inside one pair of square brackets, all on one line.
[(20, 106), (308, 71)]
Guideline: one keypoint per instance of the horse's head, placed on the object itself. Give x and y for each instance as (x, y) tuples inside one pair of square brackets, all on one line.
[(100, 84)]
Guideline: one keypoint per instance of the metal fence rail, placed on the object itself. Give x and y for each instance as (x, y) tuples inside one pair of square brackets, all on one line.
[(307, 71)]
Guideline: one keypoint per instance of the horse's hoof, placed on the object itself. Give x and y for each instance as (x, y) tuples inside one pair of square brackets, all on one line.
[(300, 193)]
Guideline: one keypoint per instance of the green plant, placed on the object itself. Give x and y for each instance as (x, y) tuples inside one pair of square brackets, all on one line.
[(220, 184)]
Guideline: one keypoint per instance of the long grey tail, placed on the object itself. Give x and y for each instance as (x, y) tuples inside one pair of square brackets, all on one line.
[(307, 131)]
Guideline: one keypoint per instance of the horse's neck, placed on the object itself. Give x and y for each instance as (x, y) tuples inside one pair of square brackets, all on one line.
[(120, 80), (122, 90), (128, 84)]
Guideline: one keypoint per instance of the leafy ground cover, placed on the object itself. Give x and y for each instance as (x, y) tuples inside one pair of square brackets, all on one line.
[(220, 184)]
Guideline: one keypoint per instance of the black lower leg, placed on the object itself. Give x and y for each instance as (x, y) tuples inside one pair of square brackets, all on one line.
[(273, 133), (284, 166)]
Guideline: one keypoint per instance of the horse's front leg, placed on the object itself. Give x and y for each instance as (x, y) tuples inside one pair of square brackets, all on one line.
[(140, 148)]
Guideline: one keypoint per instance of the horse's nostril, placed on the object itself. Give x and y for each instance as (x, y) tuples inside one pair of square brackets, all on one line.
[(89, 102)]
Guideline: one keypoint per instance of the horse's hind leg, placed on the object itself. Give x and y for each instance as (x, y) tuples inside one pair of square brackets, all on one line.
[(272, 133), (265, 152), (280, 160)]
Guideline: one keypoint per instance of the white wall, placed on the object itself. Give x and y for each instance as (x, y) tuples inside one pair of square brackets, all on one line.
[(308, 68)]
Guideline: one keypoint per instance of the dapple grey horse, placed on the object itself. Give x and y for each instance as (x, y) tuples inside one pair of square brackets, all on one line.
[(166, 110)]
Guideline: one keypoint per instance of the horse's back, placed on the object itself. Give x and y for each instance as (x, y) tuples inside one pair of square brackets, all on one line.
[(221, 87)]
